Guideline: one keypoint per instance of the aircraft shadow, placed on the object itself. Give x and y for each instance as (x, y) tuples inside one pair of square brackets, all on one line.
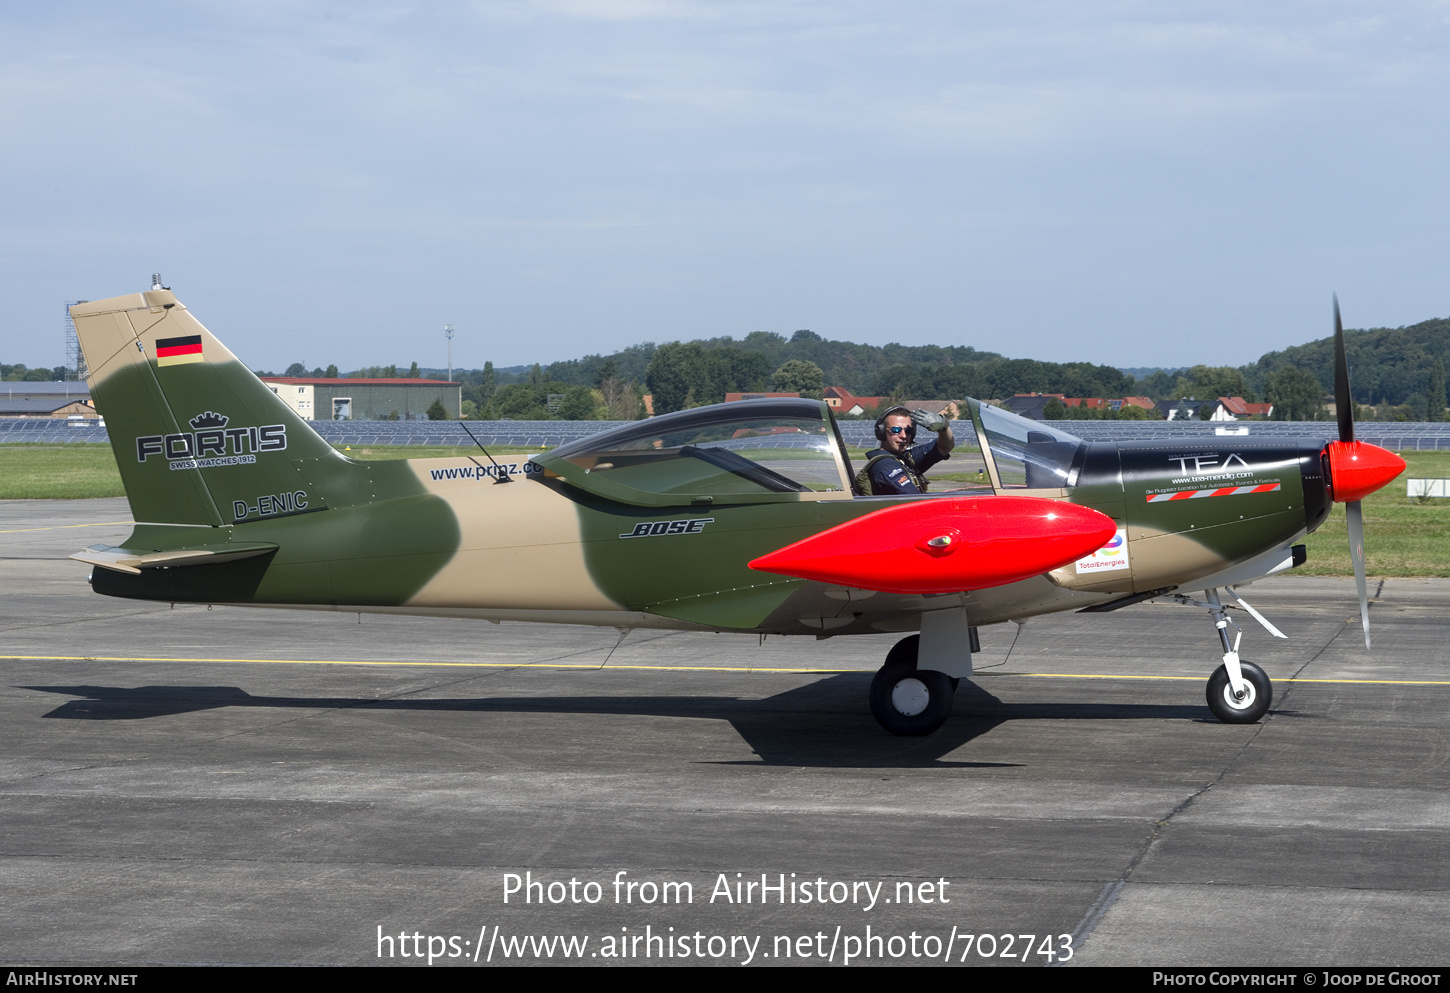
[(824, 724)]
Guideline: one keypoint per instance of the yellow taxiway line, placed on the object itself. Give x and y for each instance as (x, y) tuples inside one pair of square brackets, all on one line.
[(669, 668)]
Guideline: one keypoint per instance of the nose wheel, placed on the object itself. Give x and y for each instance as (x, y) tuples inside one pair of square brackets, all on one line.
[(1238, 692), (1245, 707)]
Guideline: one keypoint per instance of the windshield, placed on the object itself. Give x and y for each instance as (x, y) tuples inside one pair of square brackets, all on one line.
[(738, 449), (1029, 454)]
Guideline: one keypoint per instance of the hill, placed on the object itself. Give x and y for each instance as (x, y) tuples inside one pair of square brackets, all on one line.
[(1386, 365)]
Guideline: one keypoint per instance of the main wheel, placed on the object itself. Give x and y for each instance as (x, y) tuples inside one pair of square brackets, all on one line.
[(904, 653), (1258, 694), (908, 701)]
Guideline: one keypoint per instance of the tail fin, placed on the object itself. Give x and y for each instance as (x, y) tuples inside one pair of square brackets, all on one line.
[(198, 438)]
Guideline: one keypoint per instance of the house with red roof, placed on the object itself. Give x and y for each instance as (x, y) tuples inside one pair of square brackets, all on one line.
[(841, 400), (1237, 408)]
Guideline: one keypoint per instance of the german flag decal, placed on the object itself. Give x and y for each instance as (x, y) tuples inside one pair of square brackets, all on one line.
[(177, 351)]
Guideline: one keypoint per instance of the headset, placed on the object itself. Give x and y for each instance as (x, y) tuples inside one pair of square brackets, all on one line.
[(891, 412)]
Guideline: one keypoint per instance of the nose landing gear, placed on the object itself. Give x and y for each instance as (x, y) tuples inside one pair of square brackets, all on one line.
[(1246, 706), (1238, 692)]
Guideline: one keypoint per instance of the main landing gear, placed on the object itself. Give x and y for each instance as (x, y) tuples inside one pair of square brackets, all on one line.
[(909, 701)]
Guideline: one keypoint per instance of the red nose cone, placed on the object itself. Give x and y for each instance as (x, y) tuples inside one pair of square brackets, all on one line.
[(946, 546), (1357, 469)]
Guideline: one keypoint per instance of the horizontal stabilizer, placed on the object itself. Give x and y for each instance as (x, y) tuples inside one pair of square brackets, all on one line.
[(134, 560)]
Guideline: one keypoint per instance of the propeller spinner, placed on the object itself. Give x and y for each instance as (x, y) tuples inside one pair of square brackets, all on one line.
[(1356, 468)]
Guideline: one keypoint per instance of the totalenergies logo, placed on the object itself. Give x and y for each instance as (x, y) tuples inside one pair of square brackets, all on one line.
[(1113, 555)]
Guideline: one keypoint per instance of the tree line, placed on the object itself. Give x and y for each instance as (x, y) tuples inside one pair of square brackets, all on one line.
[(1397, 374), (683, 374), (21, 373)]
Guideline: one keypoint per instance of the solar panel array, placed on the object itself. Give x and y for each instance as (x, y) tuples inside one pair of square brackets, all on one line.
[(857, 434), (50, 430)]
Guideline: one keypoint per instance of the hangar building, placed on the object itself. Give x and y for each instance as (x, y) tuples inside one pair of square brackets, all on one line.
[(29, 399), (366, 399)]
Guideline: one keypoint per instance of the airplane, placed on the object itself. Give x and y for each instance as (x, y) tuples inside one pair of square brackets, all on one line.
[(739, 517)]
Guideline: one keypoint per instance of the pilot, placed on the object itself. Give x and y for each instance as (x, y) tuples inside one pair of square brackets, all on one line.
[(897, 467)]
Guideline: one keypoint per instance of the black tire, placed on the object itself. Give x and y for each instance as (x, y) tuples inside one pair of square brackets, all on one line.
[(1254, 705), (911, 702), (903, 653)]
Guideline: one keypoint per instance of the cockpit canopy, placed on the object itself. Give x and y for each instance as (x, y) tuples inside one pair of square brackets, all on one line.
[(753, 451), (1027, 454), (784, 449)]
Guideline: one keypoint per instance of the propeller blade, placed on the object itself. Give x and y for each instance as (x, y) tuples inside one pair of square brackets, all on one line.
[(1343, 405), (1355, 513)]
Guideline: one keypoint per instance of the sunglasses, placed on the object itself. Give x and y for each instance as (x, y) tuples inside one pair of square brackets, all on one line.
[(910, 430)]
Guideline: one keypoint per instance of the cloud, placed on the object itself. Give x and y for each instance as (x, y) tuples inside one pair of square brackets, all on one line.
[(629, 10), (733, 160)]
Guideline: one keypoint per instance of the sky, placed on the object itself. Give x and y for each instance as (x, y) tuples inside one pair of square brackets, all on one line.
[(1135, 184)]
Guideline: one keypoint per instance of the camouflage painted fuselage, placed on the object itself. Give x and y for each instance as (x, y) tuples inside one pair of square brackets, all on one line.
[(237, 500)]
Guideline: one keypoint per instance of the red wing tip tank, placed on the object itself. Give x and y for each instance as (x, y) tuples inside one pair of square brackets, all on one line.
[(946, 546)]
